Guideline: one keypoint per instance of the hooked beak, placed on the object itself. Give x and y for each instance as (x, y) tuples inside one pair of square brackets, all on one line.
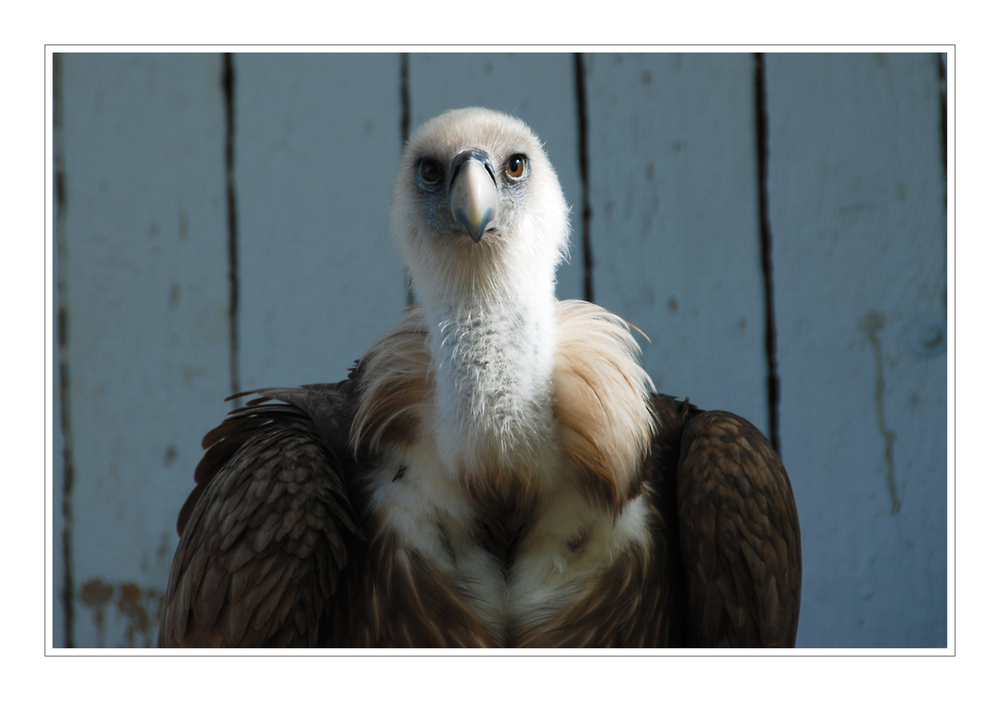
[(474, 199)]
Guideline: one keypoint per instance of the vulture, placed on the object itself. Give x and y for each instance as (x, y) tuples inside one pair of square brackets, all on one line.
[(495, 471)]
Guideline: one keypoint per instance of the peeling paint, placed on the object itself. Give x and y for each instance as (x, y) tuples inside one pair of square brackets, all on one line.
[(872, 324), (134, 604), (94, 595), (139, 609)]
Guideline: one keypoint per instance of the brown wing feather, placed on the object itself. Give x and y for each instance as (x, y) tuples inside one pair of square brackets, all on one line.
[(267, 530), (739, 534)]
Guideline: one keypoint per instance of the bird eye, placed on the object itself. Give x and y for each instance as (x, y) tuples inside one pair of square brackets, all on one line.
[(517, 166), (429, 172)]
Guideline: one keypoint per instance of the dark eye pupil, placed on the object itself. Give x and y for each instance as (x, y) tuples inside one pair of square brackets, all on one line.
[(430, 172), (515, 167)]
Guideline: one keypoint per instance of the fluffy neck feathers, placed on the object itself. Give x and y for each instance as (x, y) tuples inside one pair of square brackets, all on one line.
[(493, 365), (594, 397)]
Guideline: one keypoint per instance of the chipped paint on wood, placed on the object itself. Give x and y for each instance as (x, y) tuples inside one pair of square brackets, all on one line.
[(872, 324), (676, 246), (856, 192), (144, 349), (134, 613)]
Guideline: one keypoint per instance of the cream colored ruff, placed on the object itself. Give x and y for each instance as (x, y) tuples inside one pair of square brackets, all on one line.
[(495, 402), (582, 464)]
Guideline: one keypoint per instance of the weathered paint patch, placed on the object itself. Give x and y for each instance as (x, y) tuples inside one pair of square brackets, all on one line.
[(95, 595), (138, 608), (872, 324)]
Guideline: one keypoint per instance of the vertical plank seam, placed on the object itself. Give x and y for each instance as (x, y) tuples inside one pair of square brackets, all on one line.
[(580, 72), (404, 97), (228, 95), (943, 83), (766, 261), (62, 323)]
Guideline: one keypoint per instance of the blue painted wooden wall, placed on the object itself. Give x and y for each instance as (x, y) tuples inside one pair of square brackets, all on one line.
[(150, 339)]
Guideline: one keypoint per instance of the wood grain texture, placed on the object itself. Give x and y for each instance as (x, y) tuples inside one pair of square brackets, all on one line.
[(675, 237), (857, 211), (317, 146), (146, 316)]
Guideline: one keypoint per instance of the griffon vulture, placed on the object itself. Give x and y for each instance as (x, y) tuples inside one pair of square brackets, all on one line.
[(496, 470)]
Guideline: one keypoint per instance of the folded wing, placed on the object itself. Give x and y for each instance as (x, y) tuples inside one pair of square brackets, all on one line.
[(739, 536), (268, 529)]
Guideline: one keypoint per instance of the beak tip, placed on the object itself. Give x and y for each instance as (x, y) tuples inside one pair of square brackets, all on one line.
[(474, 199), (477, 229)]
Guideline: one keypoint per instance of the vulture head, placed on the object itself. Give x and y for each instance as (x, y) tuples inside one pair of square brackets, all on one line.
[(477, 209)]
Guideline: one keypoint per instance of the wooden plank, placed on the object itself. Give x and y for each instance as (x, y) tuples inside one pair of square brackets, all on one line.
[(675, 236), (317, 146), (146, 302), (857, 210), (537, 88), (58, 478)]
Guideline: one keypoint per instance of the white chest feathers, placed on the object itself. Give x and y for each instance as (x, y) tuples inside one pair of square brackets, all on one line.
[(567, 544)]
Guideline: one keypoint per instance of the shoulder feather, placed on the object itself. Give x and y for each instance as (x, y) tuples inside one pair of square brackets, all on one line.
[(602, 401), (739, 533), (267, 530), (396, 382)]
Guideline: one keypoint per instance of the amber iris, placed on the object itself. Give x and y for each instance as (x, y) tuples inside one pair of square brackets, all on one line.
[(516, 166)]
